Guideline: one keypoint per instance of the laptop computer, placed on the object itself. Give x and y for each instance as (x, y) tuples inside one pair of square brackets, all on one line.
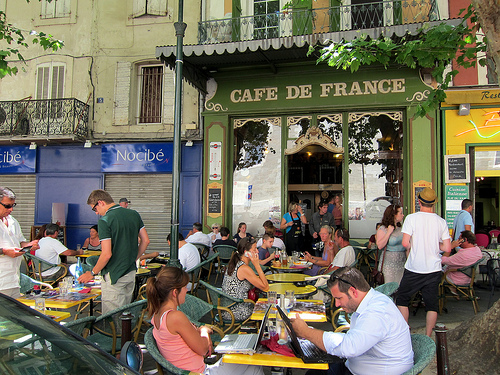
[(246, 343), (305, 349)]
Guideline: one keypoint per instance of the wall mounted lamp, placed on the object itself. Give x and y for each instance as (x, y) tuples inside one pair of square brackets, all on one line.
[(87, 144), (464, 109), (32, 146)]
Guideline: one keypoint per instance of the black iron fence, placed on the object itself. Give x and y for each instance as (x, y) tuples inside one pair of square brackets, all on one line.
[(50, 117), (359, 14)]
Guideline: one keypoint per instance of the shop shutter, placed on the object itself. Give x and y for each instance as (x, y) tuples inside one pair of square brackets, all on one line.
[(151, 196), (25, 187)]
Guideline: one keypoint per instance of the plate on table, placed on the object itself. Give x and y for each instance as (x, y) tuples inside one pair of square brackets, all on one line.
[(154, 265), (303, 263)]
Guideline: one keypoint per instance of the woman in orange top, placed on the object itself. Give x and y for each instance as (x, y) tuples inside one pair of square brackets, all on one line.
[(182, 343)]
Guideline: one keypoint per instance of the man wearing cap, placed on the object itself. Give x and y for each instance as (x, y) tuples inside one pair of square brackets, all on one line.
[(425, 236), (124, 202)]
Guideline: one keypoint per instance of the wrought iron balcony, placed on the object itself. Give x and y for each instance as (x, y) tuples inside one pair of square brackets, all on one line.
[(295, 22), (49, 118)]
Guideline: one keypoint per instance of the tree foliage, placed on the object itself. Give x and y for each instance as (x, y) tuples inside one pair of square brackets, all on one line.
[(432, 47), (13, 42)]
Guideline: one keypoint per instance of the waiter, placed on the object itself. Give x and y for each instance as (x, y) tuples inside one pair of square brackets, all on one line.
[(11, 238)]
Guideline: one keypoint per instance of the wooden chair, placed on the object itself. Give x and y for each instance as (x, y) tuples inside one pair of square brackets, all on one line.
[(465, 291), (424, 350), (203, 249), (225, 253), (107, 327), (224, 302), (39, 265)]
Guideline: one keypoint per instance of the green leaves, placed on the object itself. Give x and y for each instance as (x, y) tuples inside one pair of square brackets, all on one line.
[(14, 40), (432, 47)]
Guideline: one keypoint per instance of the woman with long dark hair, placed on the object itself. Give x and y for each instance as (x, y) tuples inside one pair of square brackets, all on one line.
[(240, 278), (179, 341), (389, 234), (242, 233)]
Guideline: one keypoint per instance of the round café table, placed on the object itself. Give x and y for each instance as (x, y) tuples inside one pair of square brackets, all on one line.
[(293, 267), (286, 277), (299, 291)]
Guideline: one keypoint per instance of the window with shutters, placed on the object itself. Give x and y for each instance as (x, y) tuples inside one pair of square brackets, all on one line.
[(55, 9), (150, 94), (49, 85), (149, 7)]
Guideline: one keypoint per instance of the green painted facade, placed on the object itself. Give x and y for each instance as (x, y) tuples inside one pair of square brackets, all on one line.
[(310, 89)]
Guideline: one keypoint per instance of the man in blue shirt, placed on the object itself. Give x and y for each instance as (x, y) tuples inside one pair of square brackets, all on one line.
[(378, 341), (463, 221)]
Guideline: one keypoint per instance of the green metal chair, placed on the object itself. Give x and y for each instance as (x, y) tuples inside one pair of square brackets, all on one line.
[(225, 253), (424, 349), (224, 302), (81, 326), (39, 265), (107, 327), (92, 260), (27, 283), (341, 321), (163, 366), (197, 272)]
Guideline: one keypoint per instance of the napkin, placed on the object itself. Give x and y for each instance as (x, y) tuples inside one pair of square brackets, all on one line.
[(84, 290), (273, 345)]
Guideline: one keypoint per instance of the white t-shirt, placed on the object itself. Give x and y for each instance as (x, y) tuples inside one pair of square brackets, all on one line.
[(49, 250), (427, 231), (10, 236), (189, 256), (345, 257), (277, 243)]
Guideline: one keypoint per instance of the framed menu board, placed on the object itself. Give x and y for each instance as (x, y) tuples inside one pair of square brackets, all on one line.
[(214, 200), (457, 168), (417, 188)]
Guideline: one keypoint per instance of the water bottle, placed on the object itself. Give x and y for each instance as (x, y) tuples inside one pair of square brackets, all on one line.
[(78, 272)]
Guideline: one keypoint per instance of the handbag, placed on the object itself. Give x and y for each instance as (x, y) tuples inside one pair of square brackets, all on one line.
[(253, 294), (378, 276)]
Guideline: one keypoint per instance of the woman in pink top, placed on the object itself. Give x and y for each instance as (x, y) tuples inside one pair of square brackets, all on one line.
[(179, 341)]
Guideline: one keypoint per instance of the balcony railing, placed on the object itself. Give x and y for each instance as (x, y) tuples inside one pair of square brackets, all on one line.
[(44, 118), (295, 22)]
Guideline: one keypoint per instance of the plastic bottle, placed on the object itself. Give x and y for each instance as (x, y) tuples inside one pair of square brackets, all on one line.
[(78, 272)]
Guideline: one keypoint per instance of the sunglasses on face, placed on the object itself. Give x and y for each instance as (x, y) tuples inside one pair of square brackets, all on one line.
[(9, 206), (95, 206)]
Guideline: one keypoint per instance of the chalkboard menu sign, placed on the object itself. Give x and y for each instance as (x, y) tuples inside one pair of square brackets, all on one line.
[(457, 168), (214, 200), (417, 188)]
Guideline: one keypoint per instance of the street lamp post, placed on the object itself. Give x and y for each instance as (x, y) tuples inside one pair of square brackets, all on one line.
[(180, 28)]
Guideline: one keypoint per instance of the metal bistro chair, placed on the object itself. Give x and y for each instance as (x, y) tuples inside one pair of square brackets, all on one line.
[(424, 349), (203, 249), (341, 321), (223, 301), (225, 253), (81, 326), (27, 283), (39, 265), (197, 272), (107, 327), (163, 366), (466, 291)]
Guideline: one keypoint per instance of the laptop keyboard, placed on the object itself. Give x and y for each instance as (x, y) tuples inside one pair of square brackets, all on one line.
[(242, 341)]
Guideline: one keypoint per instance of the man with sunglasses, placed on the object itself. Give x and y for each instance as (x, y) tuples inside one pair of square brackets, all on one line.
[(118, 229), (378, 341), (11, 240)]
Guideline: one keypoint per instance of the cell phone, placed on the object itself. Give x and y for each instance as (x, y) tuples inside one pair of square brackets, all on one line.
[(248, 254), (24, 249)]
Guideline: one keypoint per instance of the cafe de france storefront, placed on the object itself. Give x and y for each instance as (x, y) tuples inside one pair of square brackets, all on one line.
[(471, 124), (304, 132)]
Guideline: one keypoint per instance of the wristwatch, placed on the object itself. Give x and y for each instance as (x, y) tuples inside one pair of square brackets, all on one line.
[(92, 272)]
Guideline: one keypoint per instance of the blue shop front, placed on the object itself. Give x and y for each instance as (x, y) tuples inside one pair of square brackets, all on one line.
[(66, 174)]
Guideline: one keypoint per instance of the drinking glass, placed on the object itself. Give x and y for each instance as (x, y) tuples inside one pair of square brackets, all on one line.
[(289, 299), (40, 304), (272, 297)]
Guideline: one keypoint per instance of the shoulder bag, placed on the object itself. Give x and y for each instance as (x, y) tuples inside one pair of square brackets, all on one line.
[(378, 276)]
